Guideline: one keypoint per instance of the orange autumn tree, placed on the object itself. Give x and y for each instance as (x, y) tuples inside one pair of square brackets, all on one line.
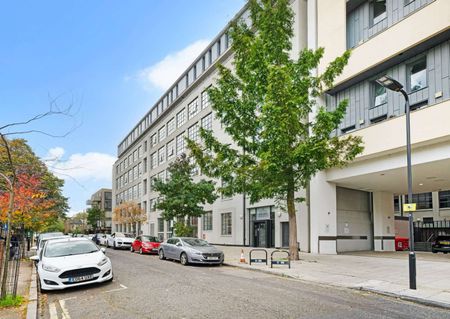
[(33, 208), (129, 213), (38, 200)]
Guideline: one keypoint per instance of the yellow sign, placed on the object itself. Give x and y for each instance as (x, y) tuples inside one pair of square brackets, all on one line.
[(409, 207)]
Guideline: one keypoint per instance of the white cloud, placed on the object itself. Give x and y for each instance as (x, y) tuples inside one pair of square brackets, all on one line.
[(164, 73), (81, 167)]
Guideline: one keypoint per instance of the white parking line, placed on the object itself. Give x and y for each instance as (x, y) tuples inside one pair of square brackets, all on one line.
[(122, 287), (52, 310), (65, 313)]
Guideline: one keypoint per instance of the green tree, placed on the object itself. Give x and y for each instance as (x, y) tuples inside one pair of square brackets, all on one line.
[(181, 197), (264, 105), (94, 216)]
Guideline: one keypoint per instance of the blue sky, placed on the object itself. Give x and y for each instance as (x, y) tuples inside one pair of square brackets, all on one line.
[(110, 59)]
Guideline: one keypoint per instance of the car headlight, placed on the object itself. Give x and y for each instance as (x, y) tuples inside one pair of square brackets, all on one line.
[(196, 252), (50, 268), (103, 261)]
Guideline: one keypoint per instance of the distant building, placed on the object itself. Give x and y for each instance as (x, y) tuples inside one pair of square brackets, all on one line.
[(103, 200)]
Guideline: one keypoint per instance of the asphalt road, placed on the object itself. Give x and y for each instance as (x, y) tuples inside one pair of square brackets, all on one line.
[(145, 287)]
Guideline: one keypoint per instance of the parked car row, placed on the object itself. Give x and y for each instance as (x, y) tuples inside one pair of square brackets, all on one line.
[(65, 261), (187, 250)]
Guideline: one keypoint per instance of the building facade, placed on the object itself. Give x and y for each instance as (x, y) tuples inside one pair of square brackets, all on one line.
[(347, 209), (103, 199)]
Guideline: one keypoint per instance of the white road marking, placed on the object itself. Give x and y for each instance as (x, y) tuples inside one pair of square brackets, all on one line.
[(65, 312), (52, 310), (122, 287)]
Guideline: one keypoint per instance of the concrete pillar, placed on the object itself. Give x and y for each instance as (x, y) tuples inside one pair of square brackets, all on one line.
[(323, 215), (383, 221)]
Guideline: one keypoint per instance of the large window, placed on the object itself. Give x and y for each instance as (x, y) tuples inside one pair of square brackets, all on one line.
[(170, 149), (418, 75), (154, 160), (378, 11), (170, 126), (162, 155), (205, 99), (226, 224), (423, 200), (207, 221), (181, 144), (193, 132), (162, 133), (444, 199), (181, 118), (379, 94), (207, 122), (193, 108)]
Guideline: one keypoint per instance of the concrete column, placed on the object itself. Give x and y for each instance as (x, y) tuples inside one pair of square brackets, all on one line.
[(383, 221), (323, 215)]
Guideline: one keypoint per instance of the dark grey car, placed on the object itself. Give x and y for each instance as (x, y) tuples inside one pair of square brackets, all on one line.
[(190, 251)]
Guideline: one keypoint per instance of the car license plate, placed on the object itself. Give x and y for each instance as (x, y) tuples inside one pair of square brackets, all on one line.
[(81, 278), (212, 258), (155, 249)]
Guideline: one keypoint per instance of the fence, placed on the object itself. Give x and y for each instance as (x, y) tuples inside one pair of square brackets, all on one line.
[(14, 257), (426, 232)]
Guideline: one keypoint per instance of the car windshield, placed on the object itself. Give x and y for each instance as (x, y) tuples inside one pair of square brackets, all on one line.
[(195, 242), (69, 248), (443, 238), (129, 236), (43, 241), (152, 239), (124, 235), (50, 235)]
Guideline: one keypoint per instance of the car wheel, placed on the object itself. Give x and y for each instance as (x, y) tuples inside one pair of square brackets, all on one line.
[(434, 251), (184, 259), (161, 254), (131, 249), (445, 252), (140, 251)]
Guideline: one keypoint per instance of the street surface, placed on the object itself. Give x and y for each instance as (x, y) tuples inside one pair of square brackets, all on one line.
[(146, 287)]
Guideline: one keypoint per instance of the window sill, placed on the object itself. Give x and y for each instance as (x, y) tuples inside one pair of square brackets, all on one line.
[(226, 235)]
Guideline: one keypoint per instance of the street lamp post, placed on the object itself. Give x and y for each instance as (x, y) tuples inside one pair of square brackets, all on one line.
[(396, 86)]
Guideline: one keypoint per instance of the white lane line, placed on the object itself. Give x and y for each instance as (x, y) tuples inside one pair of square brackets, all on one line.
[(52, 310), (122, 287), (65, 312), (70, 298)]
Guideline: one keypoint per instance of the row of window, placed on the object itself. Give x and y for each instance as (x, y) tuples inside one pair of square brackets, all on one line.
[(425, 200), (217, 49), (165, 153), (416, 80)]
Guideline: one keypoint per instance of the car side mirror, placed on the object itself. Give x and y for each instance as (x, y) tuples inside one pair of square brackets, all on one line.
[(178, 244), (34, 258), (103, 250)]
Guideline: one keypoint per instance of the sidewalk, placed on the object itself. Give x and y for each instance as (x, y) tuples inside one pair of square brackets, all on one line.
[(22, 290), (385, 273)]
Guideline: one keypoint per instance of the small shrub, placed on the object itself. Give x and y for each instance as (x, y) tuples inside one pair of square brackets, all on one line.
[(11, 301)]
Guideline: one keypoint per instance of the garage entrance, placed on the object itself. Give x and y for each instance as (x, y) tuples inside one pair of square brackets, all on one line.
[(354, 220)]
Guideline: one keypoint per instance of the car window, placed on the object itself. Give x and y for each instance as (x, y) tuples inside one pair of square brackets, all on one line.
[(152, 239), (443, 238), (195, 242), (69, 248), (119, 235)]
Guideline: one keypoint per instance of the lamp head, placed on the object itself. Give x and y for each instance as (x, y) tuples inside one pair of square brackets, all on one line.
[(389, 83)]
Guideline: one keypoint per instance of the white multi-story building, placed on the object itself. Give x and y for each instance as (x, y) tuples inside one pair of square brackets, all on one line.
[(347, 209)]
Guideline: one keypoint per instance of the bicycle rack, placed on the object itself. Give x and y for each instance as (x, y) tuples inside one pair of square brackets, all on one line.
[(279, 261), (257, 260)]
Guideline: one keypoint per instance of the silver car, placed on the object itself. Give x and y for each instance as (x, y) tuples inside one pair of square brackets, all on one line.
[(190, 251)]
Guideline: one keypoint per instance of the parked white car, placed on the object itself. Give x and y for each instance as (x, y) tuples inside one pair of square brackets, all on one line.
[(70, 262), (120, 240), (103, 239)]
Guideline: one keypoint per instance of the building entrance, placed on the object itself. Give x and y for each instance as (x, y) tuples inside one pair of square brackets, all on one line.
[(262, 227)]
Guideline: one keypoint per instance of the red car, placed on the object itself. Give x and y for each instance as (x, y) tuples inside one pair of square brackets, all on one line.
[(145, 244)]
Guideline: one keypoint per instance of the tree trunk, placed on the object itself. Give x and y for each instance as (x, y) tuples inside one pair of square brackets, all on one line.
[(293, 246), (8, 243)]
